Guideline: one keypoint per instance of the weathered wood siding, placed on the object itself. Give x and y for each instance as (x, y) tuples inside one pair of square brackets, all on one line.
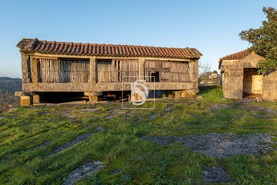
[(168, 71), (62, 71), (116, 70)]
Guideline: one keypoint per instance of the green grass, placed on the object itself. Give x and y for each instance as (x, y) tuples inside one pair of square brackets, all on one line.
[(120, 147)]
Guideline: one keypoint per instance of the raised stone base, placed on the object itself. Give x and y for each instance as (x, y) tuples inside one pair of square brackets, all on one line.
[(25, 100), (18, 93), (184, 93), (36, 99), (137, 97), (93, 99)]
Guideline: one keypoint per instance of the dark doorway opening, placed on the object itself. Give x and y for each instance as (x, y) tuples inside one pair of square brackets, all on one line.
[(155, 76), (252, 83)]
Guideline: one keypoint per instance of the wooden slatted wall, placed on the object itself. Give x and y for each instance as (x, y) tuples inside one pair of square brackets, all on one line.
[(63, 71), (115, 70), (169, 71)]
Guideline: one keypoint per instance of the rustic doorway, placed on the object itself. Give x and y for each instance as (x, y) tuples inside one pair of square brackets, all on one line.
[(252, 82), (155, 76)]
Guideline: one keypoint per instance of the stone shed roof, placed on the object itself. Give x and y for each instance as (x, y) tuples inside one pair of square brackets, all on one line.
[(87, 49), (235, 56)]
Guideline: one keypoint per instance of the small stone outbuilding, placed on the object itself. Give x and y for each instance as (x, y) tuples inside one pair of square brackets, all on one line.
[(240, 78)]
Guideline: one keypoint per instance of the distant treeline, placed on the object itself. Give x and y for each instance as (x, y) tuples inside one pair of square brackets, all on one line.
[(8, 86)]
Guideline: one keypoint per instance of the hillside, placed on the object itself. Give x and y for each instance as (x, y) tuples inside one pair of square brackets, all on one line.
[(185, 141), (8, 86)]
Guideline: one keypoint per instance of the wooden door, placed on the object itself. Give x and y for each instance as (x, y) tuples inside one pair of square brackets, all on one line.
[(252, 82), (257, 84)]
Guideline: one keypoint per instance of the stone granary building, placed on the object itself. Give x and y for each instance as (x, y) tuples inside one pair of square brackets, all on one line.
[(65, 71), (240, 77)]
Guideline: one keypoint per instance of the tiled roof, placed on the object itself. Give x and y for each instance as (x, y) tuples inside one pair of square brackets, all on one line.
[(70, 48), (236, 56)]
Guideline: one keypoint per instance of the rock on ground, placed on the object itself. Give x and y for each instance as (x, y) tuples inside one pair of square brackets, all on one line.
[(216, 175), (90, 110), (153, 116), (100, 128), (83, 172), (228, 144), (77, 140), (41, 145), (221, 144), (161, 140), (115, 171)]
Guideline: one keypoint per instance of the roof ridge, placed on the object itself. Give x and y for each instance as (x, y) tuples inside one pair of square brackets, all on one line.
[(166, 47), (235, 55), (123, 50)]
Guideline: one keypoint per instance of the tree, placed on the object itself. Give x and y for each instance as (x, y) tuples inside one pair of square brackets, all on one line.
[(264, 41), (203, 68)]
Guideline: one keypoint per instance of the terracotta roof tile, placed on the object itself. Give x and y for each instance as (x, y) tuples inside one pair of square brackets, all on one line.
[(236, 56), (70, 48)]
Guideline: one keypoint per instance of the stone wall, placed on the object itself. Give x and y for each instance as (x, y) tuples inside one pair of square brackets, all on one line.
[(233, 82), (270, 87)]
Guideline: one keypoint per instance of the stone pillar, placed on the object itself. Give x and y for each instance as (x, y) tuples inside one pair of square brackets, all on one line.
[(193, 71), (193, 74), (24, 67), (137, 97), (34, 70), (185, 93), (93, 96), (92, 66), (25, 100), (93, 99), (188, 93), (36, 99), (177, 94)]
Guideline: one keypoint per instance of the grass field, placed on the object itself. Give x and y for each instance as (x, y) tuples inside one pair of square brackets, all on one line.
[(120, 147)]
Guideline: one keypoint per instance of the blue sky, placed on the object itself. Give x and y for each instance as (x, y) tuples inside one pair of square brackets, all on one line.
[(210, 26)]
